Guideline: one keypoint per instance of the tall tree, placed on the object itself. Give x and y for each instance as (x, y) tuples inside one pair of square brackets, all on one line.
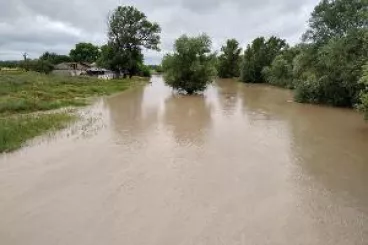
[(258, 55), (229, 60), (130, 32), (85, 52), (190, 68), (335, 18)]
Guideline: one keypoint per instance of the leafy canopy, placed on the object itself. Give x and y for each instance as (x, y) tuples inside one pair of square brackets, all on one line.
[(229, 60), (54, 58), (129, 32), (191, 67), (85, 52), (364, 93), (258, 55), (335, 18)]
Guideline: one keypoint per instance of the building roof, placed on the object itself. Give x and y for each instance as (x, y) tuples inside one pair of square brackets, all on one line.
[(71, 66)]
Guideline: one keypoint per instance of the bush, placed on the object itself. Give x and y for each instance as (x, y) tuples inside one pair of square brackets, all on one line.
[(42, 66), (363, 105), (279, 73), (144, 71), (191, 67), (308, 89)]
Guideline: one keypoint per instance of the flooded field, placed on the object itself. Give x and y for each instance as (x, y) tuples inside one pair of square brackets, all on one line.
[(240, 164)]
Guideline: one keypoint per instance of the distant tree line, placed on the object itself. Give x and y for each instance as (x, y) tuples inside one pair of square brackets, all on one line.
[(330, 66)]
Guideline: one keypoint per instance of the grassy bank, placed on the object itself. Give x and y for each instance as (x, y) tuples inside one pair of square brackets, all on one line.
[(15, 131), (23, 93)]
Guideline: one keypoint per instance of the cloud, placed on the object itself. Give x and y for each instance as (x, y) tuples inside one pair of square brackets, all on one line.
[(36, 26)]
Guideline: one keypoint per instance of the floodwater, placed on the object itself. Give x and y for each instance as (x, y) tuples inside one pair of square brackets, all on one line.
[(238, 165)]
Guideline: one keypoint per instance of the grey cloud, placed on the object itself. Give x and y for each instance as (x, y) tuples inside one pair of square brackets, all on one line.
[(56, 25)]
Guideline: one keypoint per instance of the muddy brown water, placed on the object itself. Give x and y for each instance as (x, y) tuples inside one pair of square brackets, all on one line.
[(238, 165)]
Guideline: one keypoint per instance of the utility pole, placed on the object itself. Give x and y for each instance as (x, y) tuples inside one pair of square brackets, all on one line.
[(25, 56)]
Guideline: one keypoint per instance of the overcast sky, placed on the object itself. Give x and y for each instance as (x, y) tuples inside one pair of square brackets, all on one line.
[(36, 26)]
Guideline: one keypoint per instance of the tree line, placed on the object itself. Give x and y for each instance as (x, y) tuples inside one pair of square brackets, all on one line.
[(329, 66)]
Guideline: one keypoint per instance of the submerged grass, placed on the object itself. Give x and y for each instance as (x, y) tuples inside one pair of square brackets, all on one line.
[(23, 93), (26, 92), (15, 131)]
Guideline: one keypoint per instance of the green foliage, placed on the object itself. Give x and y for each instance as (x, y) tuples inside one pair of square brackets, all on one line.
[(363, 105), (337, 67), (328, 68), (144, 71), (85, 52), (229, 60), (155, 68), (129, 32), (334, 19), (54, 58), (309, 90), (42, 66), (258, 56), (280, 73), (191, 67), (15, 131)]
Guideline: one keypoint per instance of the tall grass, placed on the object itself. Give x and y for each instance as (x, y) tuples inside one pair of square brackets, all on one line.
[(15, 131), (24, 92)]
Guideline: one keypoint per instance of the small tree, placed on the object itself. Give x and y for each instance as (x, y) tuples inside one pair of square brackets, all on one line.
[(229, 60), (85, 52), (190, 68)]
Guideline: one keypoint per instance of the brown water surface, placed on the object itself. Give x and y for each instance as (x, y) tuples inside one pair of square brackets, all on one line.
[(238, 165)]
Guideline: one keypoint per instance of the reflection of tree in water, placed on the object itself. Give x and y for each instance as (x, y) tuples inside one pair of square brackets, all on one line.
[(128, 117), (228, 95), (188, 117)]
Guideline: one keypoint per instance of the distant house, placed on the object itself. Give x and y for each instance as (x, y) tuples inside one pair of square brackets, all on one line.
[(71, 68), (100, 73)]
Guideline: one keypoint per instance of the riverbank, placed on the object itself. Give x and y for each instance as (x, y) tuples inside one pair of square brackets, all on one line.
[(25, 96)]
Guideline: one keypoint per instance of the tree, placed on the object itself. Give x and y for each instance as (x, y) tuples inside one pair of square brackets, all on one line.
[(258, 55), (190, 68), (130, 32), (85, 52), (336, 67), (229, 60), (335, 18), (363, 106), (54, 58)]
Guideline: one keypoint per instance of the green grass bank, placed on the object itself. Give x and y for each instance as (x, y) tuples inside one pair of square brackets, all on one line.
[(25, 95)]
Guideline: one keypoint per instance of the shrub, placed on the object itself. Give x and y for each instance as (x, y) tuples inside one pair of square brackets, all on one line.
[(363, 105), (190, 68), (279, 73)]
